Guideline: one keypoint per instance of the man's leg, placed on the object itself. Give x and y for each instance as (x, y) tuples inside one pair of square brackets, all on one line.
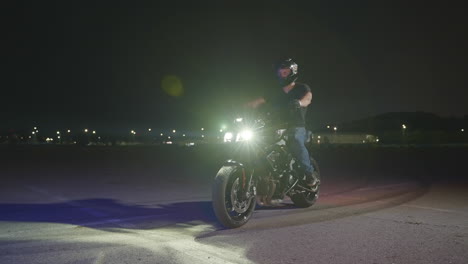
[(297, 139)]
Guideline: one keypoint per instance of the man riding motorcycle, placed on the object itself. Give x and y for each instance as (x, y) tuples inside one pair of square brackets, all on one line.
[(288, 105), (269, 159)]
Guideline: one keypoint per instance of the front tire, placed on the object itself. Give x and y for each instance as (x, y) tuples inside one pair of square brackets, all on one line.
[(228, 204), (305, 198)]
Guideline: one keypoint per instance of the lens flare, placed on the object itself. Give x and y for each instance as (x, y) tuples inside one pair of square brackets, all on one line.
[(172, 85)]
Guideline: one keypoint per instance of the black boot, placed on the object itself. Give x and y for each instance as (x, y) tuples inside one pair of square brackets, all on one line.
[(312, 179)]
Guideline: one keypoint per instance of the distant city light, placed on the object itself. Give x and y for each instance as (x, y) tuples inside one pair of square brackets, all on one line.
[(169, 137), (35, 128), (33, 132), (86, 130), (403, 126), (68, 131), (220, 130), (202, 136), (202, 129), (319, 137), (133, 132), (318, 141), (239, 119), (162, 134), (335, 128), (94, 132), (183, 135), (462, 130), (173, 131), (377, 140), (149, 129), (58, 137), (58, 132), (328, 126)]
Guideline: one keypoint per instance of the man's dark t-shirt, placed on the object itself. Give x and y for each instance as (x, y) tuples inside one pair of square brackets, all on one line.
[(285, 108)]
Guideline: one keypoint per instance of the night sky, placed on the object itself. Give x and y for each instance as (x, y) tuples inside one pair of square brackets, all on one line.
[(75, 64)]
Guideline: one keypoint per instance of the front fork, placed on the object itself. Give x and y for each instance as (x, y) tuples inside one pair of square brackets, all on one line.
[(248, 182), (248, 188)]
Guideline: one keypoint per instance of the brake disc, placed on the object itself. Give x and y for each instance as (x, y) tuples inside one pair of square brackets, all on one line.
[(237, 205)]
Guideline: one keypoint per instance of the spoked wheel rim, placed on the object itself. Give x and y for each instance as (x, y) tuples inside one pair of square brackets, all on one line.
[(237, 208)]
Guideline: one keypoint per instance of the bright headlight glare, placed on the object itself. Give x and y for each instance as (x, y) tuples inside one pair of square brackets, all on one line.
[(244, 135), (228, 137)]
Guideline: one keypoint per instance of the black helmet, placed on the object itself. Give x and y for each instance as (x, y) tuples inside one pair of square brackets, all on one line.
[(288, 63)]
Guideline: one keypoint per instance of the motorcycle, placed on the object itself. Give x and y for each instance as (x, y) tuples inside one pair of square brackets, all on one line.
[(261, 169)]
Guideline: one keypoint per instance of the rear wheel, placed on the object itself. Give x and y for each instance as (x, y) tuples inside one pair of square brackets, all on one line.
[(232, 204), (305, 197)]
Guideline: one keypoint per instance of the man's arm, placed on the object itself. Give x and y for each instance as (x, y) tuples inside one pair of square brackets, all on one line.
[(306, 99), (303, 96), (255, 103)]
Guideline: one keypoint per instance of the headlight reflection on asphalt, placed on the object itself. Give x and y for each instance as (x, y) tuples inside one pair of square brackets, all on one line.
[(181, 240)]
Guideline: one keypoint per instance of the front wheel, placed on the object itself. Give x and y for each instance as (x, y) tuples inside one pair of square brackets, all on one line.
[(304, 197), (232, 204)]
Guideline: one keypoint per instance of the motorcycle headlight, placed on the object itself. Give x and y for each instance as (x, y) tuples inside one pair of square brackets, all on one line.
[(228, 137), (244, 135)]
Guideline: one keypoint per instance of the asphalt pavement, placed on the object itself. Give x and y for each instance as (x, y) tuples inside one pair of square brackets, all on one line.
[(67, 204)]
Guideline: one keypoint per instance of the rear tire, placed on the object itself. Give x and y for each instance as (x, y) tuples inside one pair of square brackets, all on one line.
[(306, 199), (231, 211)]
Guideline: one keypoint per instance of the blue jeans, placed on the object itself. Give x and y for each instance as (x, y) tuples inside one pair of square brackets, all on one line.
[(297, 137)]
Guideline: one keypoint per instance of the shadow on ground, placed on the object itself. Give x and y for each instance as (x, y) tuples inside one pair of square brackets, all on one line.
[(109, 213)]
